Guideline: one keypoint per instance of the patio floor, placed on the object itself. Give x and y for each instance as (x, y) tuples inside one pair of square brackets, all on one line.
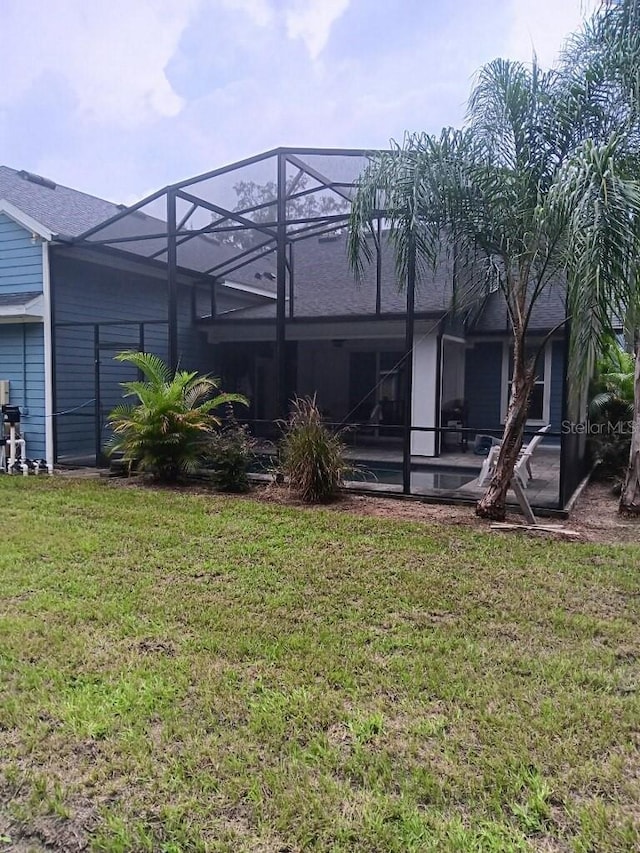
[(453, 474)]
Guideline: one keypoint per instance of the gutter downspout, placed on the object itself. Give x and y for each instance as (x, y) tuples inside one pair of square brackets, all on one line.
[(25, 401), (48, 355)]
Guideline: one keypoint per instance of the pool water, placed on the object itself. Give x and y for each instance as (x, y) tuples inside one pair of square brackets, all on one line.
[(421, 479)]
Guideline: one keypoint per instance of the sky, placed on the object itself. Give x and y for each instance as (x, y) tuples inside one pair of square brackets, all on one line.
[(121, 97)]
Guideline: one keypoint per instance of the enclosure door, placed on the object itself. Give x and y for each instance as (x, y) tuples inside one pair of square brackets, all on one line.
[(88, 382)]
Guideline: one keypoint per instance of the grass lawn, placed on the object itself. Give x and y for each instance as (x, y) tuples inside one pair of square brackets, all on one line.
[(181, 672)]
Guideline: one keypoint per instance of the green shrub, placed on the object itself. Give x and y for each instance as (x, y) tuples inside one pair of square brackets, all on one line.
[(611, 411), (168, 432), (230, 454), (311, 457)]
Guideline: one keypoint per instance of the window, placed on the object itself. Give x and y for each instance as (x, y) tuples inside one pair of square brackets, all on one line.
[(540, 395)]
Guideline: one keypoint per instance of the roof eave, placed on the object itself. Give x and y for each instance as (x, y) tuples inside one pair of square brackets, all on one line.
[(31, 309), (24, 220)]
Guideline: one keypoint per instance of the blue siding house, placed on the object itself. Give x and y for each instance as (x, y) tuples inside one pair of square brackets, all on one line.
[(82, 278), (23, 307), (65, 311)]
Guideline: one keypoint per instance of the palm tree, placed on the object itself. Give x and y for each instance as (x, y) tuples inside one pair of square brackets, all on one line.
[(630, 494), (524, 188), (606, 54), (168, 431)]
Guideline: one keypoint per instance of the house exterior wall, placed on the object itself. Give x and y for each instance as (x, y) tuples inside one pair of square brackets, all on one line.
[(350, 366), (557, 385), (423, 402), (453, 366), (346, 375), (323, 370), (484, 381), (22, 363), (483, 384), (22, 344), (20, 259), (93, 293)]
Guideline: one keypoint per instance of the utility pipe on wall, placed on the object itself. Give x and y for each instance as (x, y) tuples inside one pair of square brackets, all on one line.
[(25, 408)]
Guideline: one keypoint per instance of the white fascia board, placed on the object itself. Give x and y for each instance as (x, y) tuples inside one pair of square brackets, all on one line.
[(24, 220), (248, 288)]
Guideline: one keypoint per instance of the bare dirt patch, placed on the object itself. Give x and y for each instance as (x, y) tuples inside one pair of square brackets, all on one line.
[(595, 516), (380, 507), (70, 834)]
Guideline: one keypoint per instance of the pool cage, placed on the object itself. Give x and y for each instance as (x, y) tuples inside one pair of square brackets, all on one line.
[(235, 243)]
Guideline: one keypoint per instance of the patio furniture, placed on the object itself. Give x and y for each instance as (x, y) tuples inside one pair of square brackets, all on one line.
[(455, 416), (522, 470)]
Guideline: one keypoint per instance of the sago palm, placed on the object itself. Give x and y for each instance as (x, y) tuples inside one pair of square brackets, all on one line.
[(523, 189), (167, 432)]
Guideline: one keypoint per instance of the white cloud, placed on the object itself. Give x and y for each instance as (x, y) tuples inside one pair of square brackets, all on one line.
[(116, 96), (111, 54), (259, 11), (311, 20), (541, 26)]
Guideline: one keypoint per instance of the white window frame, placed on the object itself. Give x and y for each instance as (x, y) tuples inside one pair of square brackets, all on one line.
[(546, 394)]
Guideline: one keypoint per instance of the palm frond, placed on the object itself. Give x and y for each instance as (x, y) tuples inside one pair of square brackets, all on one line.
[(170, 429), (601, 211), (537, 188), (152, 366)]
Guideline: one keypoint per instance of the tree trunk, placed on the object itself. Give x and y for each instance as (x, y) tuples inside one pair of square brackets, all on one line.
[(493, 503), (630, 497)]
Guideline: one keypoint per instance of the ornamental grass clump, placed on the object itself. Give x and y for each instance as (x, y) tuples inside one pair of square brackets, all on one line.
[(311, 456)]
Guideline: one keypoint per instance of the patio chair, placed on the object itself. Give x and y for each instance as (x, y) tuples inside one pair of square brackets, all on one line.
[(522, 469)]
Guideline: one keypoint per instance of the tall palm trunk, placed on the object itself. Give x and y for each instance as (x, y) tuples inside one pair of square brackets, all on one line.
[(630, 497), (493, 503)]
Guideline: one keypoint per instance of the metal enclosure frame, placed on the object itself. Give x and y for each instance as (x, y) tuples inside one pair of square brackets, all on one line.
[(187, 231)]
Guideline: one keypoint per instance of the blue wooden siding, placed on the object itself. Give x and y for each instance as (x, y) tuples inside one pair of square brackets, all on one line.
[(20, 259), (22, 363), (91, 293), (97, 293), (22, 344), (483, 385)]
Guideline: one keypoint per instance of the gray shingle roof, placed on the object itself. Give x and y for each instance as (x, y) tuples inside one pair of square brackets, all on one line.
[(324, 284), (8, 299), (62, 210), (548, 311)]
